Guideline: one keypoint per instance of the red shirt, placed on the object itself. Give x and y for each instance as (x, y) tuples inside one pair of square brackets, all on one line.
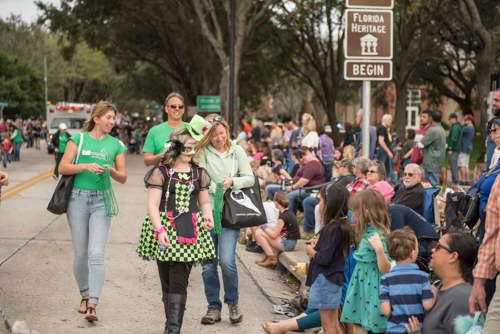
[(248, 129), (416, 158), (6, 148)]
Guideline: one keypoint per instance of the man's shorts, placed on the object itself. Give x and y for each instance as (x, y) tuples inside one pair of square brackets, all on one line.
[(463, 159)]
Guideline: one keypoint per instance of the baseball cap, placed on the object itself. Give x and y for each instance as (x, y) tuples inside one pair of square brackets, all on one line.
[(62, 126), (453, 115), (469, 118)]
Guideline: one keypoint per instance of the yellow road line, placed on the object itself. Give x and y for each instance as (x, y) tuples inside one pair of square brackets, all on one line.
[(14, 190)]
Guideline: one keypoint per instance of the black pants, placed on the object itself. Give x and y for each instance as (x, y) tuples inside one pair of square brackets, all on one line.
[(58, 157), (174, 276)]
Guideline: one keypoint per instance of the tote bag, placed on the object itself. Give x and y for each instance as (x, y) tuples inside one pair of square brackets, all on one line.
[(59, 202), (243, 207)]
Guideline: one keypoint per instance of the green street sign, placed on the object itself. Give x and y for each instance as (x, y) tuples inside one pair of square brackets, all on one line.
[(4, 104), (208, 103)]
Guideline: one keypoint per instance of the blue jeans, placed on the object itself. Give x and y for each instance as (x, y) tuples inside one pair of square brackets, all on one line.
[(432, 178), (291, 164), (387, 162), (225, 248), (271, 189), (6, 157), (89, 231), (309, 222), (406, 162), (17, 150), (288, 245), (292, 195)]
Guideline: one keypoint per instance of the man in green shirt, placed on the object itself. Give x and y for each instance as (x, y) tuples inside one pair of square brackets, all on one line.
[(159, 134), (434, 145), (59, 141), (454, 146)]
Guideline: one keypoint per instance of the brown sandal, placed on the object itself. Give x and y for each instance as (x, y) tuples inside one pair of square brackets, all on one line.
[(86, 300), (91, 317)]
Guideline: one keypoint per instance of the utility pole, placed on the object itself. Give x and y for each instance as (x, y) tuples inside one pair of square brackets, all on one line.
[(231, 70), (45, 79)]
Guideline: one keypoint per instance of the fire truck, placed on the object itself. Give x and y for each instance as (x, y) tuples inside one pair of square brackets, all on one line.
[(74, 115)]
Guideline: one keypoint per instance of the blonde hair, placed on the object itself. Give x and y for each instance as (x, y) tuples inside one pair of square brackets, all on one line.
[(368, 206), (169, 157), (99, 111), (349, 152), (207, 136), (311, 125)]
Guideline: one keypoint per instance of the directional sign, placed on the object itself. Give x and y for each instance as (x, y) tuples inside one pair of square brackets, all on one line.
[(384, 4), (4, 104), (368, 34), (379, 70), (208, 103)]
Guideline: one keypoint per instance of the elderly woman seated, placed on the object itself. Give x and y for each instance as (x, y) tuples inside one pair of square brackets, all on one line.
[(377, 176)]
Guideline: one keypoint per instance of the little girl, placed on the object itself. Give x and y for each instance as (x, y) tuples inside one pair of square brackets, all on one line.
[(176, 230), (362, 305), (283, 237), (326, 269)]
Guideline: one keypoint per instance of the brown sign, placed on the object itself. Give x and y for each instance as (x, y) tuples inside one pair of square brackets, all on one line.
[(368, 34), (380, 70), (385, 4)]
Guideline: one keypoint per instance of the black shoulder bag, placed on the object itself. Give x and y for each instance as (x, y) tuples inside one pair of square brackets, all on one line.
[(472, 215), (59, 202)]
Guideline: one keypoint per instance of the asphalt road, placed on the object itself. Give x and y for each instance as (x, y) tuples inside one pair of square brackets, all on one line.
[(36, 277)]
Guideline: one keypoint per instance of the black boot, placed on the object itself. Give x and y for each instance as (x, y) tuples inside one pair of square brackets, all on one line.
[(176, 307), (165, 306)]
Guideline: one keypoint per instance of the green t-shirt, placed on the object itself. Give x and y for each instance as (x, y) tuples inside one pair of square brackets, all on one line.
[(101, 152), (63, 140), (18, 136), (157, 137)]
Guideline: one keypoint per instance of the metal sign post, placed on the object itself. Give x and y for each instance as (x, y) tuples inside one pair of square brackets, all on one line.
[(366, 118), (2, 105)]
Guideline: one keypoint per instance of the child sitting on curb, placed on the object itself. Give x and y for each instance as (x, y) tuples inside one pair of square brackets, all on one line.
[(406, 290), (283, 237)]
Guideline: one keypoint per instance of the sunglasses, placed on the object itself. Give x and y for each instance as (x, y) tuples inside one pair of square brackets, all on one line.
[(438, 245), (372, 172), (408, 174), (215, 119), (175, 106)]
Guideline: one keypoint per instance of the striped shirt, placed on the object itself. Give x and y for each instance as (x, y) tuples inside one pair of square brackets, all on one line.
[(488, 263), (405, 287)]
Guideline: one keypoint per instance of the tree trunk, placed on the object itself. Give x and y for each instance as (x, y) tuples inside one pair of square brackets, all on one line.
[(401, 114), (332, 117)]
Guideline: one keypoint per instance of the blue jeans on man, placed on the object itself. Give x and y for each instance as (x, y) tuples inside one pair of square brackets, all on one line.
[(432, 178), (271, 189), (387, 162), (309, 222), (225, 248)]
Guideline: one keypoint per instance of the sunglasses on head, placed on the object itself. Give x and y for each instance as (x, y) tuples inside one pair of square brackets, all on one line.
[(215, 119), (408, 174), (175, 106), (438, 245)]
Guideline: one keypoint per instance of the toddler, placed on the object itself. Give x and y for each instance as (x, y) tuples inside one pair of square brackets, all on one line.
[(7, 149), (406, 290)]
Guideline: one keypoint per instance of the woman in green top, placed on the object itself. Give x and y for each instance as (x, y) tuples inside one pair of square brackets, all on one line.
[(86, 209), (224, 162), (17, 141)]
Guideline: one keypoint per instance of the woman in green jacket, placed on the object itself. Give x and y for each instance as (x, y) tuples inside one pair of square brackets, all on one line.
[(17, 141), (219, 155)]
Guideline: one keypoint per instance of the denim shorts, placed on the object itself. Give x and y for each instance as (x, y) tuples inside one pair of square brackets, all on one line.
[(324, 294), (288, 245)]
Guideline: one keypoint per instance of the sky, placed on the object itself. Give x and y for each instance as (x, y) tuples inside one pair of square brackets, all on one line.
[(26, 8)]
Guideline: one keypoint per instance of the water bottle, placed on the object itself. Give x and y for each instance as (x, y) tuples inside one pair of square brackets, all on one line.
[(161, 248)]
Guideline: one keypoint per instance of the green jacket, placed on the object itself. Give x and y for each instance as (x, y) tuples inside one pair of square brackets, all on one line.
[(434, 142), (219, 168), (454, 140)]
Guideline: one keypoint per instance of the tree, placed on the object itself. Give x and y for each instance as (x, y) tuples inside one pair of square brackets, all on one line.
[(484, 34), (311, 37), (21, 86)]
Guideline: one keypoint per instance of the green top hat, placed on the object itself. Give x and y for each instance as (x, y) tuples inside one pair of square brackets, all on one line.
[(194, 127)]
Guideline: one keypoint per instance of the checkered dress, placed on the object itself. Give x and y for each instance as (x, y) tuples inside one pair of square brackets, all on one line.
[(203, 249)]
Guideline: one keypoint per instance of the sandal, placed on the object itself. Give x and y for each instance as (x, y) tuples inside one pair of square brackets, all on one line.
[(86, 300), (91, 317)]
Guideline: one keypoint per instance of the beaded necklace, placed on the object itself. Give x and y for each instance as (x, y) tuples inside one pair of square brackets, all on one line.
[(190, 188)]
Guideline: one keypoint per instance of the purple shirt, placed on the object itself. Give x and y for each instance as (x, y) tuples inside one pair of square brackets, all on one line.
[(326, 145)]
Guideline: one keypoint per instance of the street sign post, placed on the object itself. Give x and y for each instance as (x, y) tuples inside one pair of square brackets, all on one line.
[(383, 4), (2, 105), (380, 70), (368, 34)]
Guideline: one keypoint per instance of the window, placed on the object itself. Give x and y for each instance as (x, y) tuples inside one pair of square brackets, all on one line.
[(71, 123)]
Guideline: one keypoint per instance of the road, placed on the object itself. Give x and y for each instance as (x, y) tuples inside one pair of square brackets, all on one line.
[(36, 277)]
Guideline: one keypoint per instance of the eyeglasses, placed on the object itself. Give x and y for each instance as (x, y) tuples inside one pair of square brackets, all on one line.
[(175, 106), (372, 172), (408, 174), (215, 119), (438, 245)]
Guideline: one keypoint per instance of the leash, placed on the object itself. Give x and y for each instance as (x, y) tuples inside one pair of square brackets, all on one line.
[(6, 323)]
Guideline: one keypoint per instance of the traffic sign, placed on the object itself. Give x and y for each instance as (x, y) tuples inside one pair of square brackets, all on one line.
[(368, 34), (385, 4), (379, 70), (4, 104), (208, 103)]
